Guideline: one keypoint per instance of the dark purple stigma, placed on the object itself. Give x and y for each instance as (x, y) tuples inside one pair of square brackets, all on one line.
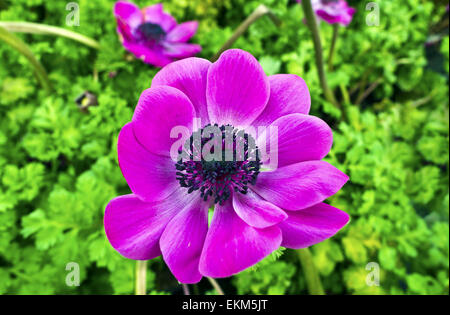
[(150, 32), (232, 167)]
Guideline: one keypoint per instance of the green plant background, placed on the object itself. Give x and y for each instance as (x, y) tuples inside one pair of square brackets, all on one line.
[(58, 165)]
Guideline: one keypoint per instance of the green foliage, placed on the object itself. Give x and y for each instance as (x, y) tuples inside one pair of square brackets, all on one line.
[(273, 278), (58, 165), (444, 50)]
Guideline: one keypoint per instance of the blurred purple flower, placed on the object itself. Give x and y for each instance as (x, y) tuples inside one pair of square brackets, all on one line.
[(333, 11), (153, 35), (256, 211)]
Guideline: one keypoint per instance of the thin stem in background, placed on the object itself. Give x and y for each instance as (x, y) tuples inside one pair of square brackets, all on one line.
[(345, 94), (260, 11), (333, 46), (20, 46), (362, 84), (369, 90), (36, 28), (309, 270), (196, 291), (141, 277), (185, 289), (424, 100), (216, 286), (312, 24)]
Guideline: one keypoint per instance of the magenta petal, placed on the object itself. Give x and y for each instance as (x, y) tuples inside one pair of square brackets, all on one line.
[(188, 76), (301, 185), (150, 176), (128, 16), (150, 56), (181, 50), (257, 212), (156, 15), (183, 239), (333, 11), (231, 245), (134, 227), (159, 110), (237, 89), (300, 138), (182, 32), (312, 225), (289, 94)]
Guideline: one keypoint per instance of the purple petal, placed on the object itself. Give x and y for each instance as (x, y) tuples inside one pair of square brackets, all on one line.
[(153, 56), (231, 245), (288, 95), (183, 239), (237, 89), (150, 176), (300, 138), (311, 226), (344, 19), (134, 227), (189, 76), (181, 50), (159, 110), (156, 15), (128, 16), (182, 32), (301, 185), (334, 11), (257, 212)]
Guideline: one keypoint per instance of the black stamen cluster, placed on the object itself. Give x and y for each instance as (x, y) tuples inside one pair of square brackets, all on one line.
[(150, 31), (235, 168)]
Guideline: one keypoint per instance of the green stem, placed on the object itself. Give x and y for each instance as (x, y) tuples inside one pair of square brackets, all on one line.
[(362, 84), (196, 291), (185, 289), (312, 24), (141, 277), (367, 92), (36, 28), (424, 100), (333, 46), (345, 94), (216, 286), (21, 47), (310, 271), (259, 12)]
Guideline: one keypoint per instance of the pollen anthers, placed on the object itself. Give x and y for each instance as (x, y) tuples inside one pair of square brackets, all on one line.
[(217, 161)]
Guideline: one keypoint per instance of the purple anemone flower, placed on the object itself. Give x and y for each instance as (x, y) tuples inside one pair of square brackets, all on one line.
[(333, 11), (257, 207), (153, 35)]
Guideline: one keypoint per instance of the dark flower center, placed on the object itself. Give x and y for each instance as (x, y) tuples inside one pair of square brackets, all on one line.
[(217, 161), (151, 32)]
